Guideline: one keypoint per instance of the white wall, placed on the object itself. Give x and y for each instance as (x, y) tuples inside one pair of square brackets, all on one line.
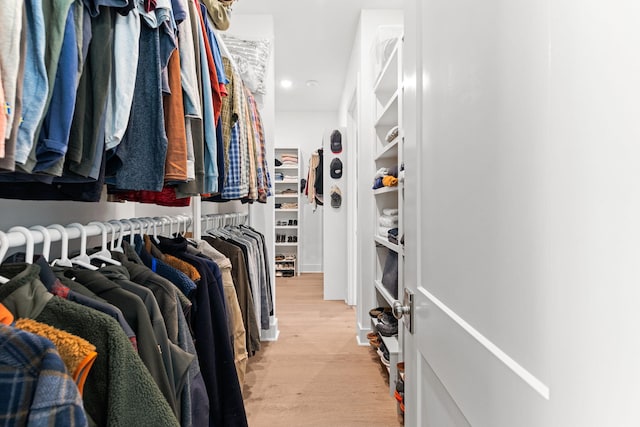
[(305, 130)]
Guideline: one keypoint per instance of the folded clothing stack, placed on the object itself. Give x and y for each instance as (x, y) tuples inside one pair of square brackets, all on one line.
[(392, 235), (289, 160), (291, 205), (386, 177), (388, 221)]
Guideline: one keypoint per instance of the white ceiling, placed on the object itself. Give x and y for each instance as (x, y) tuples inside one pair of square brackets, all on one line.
[(313, 41)]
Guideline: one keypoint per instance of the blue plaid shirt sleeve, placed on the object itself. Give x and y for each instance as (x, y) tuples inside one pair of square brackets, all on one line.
[(35, 387)]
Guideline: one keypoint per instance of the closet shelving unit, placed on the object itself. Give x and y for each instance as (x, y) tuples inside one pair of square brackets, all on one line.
[(287, 220), (387, 92)]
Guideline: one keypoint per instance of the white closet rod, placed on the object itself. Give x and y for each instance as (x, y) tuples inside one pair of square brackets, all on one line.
[(16, 238)]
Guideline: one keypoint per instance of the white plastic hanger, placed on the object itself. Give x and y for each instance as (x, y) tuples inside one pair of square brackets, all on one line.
[(30, 242), (46, 240), (157, 220), (185, 220), (63, 261), (141, 224), (103, 254), (168, 218), (155, 230), (131, 228), (116, 246), (4, 248), (82, 259)]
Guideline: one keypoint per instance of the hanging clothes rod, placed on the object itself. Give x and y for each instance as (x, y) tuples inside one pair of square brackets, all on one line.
[(16, 236)]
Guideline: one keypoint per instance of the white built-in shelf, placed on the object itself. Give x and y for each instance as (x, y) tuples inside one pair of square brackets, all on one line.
[(390, 342), (388, 244), (383, 190), (389, 151), (387, 80), (286, 193), (385, 293), (389, 114)]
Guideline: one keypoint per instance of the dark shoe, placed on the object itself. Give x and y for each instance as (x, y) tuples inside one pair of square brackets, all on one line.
[(387, 330), (387, 318), (375, 312)]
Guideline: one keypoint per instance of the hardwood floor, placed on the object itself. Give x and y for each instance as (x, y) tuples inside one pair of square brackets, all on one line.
[(316, 374)]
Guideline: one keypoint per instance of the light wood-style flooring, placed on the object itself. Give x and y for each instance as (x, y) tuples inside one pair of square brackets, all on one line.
[(316, 374)]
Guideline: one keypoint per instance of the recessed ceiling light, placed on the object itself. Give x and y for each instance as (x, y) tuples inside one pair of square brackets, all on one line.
[(286, 84), (312, 83)]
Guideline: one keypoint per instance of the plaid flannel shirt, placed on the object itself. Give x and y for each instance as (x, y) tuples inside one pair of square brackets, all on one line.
[(35, 387)]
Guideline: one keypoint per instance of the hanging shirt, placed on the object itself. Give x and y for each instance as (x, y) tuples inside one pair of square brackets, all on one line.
[(54, 134), (35, 82), (10, 57), (144, 147), (126, 38)]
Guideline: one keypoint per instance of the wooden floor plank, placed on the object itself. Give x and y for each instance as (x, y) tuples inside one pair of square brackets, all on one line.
[(316, 374)]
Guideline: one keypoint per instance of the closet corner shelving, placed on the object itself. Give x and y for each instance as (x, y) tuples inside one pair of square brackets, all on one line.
[(388, 153), (287, 212)]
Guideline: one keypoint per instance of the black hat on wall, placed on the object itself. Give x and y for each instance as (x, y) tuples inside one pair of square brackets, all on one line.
[(336, 142), (336, 168)]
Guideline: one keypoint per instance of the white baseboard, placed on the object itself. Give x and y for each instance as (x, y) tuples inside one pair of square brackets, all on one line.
[(311, 268), (272, 333)]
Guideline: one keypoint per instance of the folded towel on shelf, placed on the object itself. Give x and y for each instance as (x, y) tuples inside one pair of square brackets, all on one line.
[(388, 221), (383, 231), (390, 211)]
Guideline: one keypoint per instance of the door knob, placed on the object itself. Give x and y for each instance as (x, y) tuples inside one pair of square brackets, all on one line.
[(400, 310), (404, 309)]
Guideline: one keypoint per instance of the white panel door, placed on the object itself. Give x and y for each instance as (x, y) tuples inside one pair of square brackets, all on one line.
[(522, 201)]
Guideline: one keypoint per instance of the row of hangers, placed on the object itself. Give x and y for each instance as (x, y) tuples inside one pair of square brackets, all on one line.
[(219, 221), (144, 225)]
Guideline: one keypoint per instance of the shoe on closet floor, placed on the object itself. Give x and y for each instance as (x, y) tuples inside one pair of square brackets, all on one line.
[(387, 318), (387, 330), (375, 312)]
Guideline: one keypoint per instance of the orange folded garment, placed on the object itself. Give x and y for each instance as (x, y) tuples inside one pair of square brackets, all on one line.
[(389, 181)]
